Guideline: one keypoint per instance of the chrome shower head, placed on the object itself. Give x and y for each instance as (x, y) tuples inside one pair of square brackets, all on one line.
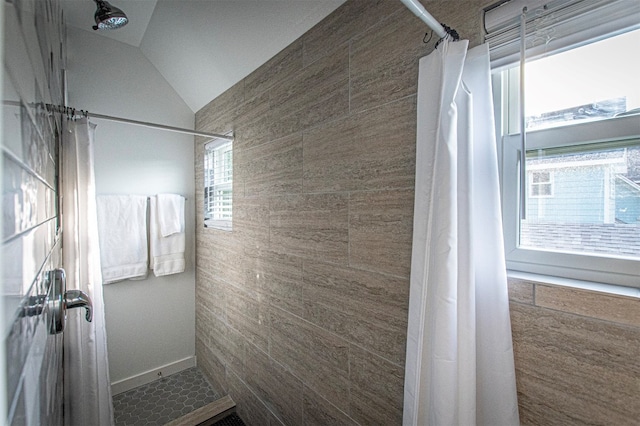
[(109, 17)]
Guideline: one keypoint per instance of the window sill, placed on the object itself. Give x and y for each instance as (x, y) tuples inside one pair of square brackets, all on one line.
[(218, 224), (611, 289)]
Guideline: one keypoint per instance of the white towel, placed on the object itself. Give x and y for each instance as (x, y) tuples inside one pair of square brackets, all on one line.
[(170, 214), (167, 253), (122, 231)]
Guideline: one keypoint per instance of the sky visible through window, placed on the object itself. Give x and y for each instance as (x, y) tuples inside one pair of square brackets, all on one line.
[(585, 198), (602, 76)]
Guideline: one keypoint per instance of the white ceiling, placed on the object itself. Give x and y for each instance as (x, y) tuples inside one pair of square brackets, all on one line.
[(203, 47)]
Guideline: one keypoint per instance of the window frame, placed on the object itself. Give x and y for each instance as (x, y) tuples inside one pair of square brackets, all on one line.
[(573, 23), (212, 217), (602, 268)]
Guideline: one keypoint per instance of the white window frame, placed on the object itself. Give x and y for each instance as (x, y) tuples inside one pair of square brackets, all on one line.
[(580, 22), (616, 270), (218, 211)]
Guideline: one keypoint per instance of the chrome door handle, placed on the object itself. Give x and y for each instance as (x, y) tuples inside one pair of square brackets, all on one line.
[(60, 300), (79, 299), (57, 287)]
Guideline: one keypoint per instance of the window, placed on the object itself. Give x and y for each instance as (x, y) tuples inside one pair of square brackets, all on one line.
[(582, 162), (218, 184)]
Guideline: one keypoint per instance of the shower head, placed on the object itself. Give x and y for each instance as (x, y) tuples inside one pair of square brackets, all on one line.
[(109, 17)]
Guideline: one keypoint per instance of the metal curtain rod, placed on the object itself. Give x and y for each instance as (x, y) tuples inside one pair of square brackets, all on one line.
[(73, 111), (160, 126), (425, 16)]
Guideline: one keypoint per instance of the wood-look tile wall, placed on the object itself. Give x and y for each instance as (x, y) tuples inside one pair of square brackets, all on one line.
[(576, 355), (301, 311)]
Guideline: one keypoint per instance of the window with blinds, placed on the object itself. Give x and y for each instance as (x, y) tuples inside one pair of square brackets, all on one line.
[(552, 26), (578, 99), (218, 185)]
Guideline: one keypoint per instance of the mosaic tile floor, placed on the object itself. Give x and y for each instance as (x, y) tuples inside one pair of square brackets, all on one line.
[(163, 400)]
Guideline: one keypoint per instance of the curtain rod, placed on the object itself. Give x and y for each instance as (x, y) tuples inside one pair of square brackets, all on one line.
[(160, 126), (73, 112), (425, 16)]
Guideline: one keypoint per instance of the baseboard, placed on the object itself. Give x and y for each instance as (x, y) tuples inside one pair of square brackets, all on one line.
[(152, 375)]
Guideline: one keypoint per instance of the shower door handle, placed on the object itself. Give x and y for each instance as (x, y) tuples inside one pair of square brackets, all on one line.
[(60, 300), (79, 299)]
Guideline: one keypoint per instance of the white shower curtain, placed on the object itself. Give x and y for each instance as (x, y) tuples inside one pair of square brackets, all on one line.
[(86, 374), (459, 367)]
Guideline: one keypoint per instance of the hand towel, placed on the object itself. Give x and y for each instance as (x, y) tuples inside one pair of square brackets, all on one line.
[(122, 232), (167, 253), (170, 214)]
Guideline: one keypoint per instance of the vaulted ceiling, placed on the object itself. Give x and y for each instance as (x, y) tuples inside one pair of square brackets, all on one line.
[(203, 47)]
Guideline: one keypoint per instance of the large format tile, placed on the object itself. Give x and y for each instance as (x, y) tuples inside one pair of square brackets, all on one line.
[(620, 309), (520, 291), (352, 18), (376, 389), (204, 328), (373, 150), (249, 407), (248, 313), (381, 231), (384, 61), (574, 370), (313, 226), (276, 387), (277, 276), (368, 309), (208, 118), (283, 66), (252, 121), (233, 346), (273, 168), (251, 221), (225, 343), (222, 257), (320, 359), (210, 292), (320, 412), (211, 366), (316, 94)]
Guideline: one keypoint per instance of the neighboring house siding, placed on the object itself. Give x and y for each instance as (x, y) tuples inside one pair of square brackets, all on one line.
[(593, 205), (627, 201), (578, 197)]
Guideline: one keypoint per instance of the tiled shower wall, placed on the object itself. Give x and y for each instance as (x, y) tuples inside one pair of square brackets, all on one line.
[(301, 311), (33, 59), (576, 354)]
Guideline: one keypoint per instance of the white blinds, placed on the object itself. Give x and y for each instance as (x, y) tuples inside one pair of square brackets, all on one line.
[(218, 182), (553, 25)]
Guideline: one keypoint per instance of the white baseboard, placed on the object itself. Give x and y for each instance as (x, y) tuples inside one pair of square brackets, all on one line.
[(152, 375)]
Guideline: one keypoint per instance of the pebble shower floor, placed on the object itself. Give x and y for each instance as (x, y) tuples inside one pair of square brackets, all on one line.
[(164, 400)]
